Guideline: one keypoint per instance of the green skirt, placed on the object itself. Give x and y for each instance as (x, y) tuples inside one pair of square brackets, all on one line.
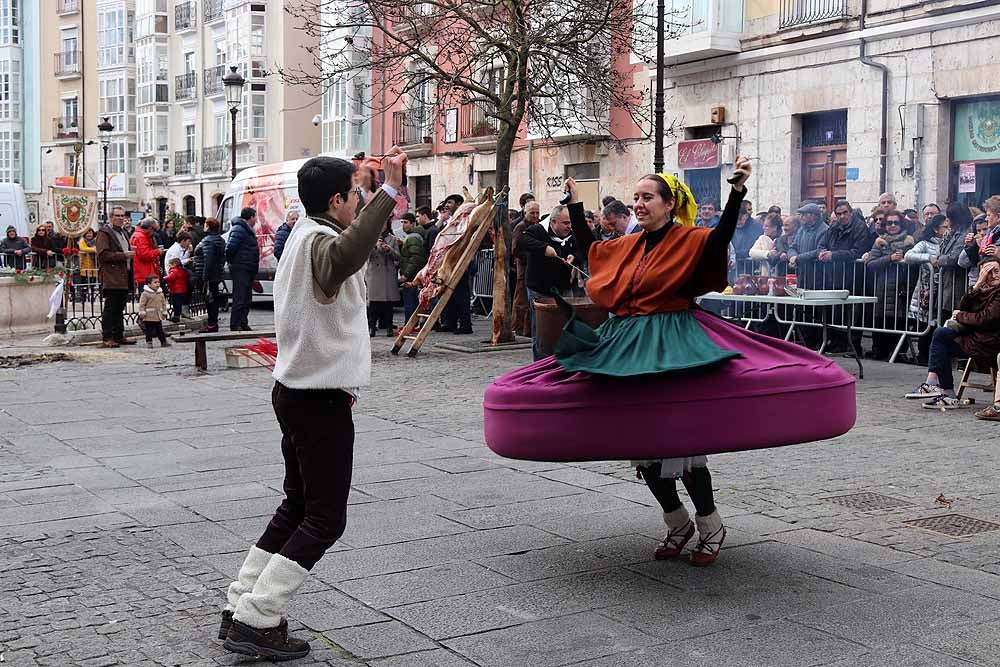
[(639, 345)]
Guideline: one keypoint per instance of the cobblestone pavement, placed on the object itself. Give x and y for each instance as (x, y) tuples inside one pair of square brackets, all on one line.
[(131, 486)]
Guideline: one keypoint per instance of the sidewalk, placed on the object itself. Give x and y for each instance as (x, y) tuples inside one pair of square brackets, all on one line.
[(131, 488)]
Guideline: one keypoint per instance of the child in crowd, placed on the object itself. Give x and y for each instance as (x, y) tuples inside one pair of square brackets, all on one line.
[(152, 307), (177, 284)]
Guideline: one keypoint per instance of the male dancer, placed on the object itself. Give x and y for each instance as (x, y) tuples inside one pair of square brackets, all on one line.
[(324, 357)]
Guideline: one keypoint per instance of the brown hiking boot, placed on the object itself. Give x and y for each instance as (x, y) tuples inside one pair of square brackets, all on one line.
[(270, 643)]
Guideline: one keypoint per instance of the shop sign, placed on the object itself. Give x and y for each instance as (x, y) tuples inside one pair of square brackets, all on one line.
[(977, 130), (698, 154)]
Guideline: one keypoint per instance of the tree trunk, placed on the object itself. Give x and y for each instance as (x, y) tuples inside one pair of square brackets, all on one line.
[(502, 318)]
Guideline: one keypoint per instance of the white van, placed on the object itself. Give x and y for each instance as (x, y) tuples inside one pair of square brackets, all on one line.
[(14, 209), (272, 190)]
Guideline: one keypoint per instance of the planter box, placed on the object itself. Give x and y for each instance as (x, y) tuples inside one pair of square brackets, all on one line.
[(24, 306)]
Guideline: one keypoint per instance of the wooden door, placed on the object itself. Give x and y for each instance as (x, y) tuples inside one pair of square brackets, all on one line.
[(824, 174)]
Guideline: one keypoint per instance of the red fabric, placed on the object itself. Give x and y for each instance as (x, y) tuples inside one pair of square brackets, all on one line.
[(147, 256), (177, 280), (626, 282)]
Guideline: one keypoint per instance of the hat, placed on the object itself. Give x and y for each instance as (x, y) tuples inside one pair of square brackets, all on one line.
[(979, 218), (810, 208), (11, 228)]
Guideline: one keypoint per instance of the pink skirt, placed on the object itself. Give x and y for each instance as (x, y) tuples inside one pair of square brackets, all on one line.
[(775, 394)]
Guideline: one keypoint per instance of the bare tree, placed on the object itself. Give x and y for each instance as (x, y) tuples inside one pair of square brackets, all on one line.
[(551, 66)]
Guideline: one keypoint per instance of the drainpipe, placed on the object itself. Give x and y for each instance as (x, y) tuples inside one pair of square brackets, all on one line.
[(883, 139)]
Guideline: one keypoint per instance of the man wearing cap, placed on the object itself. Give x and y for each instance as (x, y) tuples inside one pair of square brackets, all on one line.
[(804, 253)]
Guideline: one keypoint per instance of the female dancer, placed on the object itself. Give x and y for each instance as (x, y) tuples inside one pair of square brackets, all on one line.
[(648, 282)]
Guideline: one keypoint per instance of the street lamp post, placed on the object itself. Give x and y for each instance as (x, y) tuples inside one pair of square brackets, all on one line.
[(233, 82), (105, 128), (658, 110)]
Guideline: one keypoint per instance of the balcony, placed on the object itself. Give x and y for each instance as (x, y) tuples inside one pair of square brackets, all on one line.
[(797, 13), (215, 160), (185, 87), (185, 16), (66, 7), (476, 127), (184, 163), (67, 64), (213, 81), (65, 128), (701, 28), (413, 131), (211, 10)]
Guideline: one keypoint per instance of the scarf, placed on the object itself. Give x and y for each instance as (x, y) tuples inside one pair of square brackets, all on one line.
[(685, 207)]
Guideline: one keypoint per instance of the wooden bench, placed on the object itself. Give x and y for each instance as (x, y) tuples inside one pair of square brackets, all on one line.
[(199, 340)]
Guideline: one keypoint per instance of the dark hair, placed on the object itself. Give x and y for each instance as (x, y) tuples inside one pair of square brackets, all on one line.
[(320, 178), (934, 205), (960, 216), (182, 236), (661, 187), (930, 229), (409, 217), (774, 209), (425, 210), (248, 212), (213, 224), (843, 202), (616, 208), (459, 199), (151, 277), (525, 198), (588, 214), (607, 200), (708, 202), (893, 213)]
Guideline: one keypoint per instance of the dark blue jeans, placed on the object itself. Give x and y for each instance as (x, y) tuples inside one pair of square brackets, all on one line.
[(239, 310), (944, 348), (411, 300)]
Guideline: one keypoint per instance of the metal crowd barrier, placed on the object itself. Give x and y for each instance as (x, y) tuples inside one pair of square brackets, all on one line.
[(891, 320), (482, 282)]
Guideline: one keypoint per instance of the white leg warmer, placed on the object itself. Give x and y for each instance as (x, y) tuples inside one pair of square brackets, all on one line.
[(261, 608), (252, 566), (679, 518)]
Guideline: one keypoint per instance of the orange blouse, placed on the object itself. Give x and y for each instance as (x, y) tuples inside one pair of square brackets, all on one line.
[(626, 281)]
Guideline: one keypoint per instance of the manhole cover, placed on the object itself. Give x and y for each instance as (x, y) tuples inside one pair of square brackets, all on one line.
[(955, 525), (867, 501)]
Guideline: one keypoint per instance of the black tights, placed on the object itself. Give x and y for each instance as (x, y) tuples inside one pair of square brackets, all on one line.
[(698, 482)]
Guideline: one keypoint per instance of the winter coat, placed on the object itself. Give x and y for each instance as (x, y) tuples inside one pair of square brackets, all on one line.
[(412, 255), (744, 238), (280, 236), (242, 252), (152, 305), (759, 253), (952, 277), (430, 236), (979, 310), (210, 258), (9, 246), (177, 280), (805, 249), (891, 280), (847, 245), (543, 273), (88, 258), (112, 263), (165, 238), (921, 255), (383, 271), (147, 257), (41, 245), (783, 245)]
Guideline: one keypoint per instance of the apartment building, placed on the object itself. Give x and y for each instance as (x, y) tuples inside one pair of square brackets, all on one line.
[(20, 55), (183, 50), (839, 98)]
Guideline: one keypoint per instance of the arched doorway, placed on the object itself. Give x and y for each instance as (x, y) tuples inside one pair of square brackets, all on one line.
[(161, 208), (216, 203), (190, 206)]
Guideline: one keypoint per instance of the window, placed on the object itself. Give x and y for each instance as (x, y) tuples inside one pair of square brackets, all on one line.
[(189, 205), (69, 45), (189, 62), (252, 114), (152, 74), (70, 108), (10, 26), (114, 37), (10, 156), (189, 138), (10, 89), (117, 99), (221, 129), (70, 165), (153, 132)]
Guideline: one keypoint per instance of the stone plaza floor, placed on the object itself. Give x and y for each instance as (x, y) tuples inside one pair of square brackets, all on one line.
[(131, 486)]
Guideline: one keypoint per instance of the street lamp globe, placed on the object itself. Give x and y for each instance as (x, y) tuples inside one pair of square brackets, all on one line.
[(105, 127), (234, 82)]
